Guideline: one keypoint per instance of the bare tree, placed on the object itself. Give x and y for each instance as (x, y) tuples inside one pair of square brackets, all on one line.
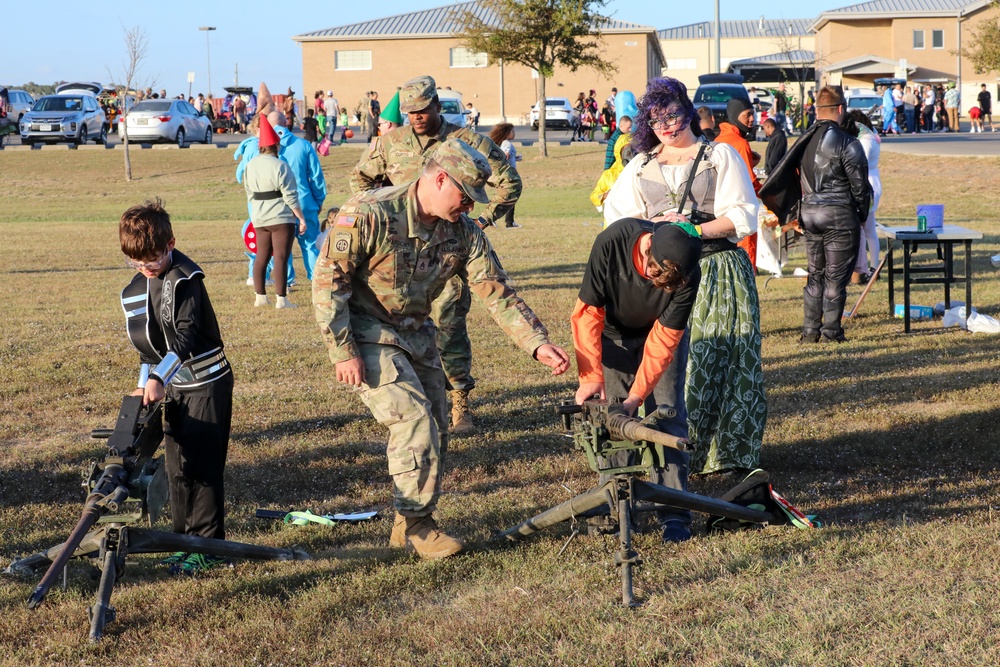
[(539, 34), (790, 48), (127, 80)]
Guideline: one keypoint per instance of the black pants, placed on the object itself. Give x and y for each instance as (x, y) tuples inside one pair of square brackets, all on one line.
[(620, 360), (196, 438), (831, 254), (273, 241)]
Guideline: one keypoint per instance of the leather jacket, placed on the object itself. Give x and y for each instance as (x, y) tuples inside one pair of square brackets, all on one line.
[(841, 197), (834, 177)]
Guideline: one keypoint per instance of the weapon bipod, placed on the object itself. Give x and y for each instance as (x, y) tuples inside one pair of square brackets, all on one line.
[(109, 545)]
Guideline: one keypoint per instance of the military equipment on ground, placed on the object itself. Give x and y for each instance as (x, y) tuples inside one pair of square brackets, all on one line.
[(600, 430), (128, 487)]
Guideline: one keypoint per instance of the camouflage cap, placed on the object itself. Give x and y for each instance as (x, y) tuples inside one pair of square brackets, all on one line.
[(417, 94), (466, 166)]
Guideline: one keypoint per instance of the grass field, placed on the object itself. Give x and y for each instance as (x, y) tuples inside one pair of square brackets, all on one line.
[(890, 438)]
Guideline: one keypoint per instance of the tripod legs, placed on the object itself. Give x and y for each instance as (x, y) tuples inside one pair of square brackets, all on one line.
[(626, 558)]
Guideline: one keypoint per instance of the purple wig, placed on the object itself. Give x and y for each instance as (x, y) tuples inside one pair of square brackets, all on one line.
[(660, 94)]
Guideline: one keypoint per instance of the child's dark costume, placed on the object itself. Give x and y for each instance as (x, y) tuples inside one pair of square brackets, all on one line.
[(172, 324)]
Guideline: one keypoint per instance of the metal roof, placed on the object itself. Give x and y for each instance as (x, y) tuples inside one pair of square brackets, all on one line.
[(899, 9), (437, 22), (740, 29), (799, 57)]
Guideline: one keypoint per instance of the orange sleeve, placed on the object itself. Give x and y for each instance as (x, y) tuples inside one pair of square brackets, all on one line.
[(588, 325), (661, 343)]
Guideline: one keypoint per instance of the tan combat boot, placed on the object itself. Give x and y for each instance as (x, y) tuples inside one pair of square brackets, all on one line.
[(397, 538), (428, 540), (461, 417)]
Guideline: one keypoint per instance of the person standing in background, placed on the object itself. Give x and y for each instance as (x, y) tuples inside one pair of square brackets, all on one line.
[(502, 135), (332, 110), (374, 111), (985, 108), (951, 101)]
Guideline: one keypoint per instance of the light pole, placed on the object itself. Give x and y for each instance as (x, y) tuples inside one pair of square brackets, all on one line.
[(208, 52)]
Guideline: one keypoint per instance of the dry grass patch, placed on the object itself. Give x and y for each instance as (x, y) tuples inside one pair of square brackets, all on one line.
[(891, 438)]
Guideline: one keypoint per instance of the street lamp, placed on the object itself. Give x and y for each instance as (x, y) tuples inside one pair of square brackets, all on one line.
[(208, 52)]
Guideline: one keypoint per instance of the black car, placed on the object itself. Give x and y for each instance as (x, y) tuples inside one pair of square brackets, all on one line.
[(715, 91)]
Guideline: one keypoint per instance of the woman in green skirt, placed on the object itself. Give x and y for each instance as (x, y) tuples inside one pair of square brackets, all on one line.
[(678, 177)]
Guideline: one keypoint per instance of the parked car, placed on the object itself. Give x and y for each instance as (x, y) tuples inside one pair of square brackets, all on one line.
[(559, 114), (452, 108), (166, 120), (715, 91), (19, 103), (70, 117), (867, 100)]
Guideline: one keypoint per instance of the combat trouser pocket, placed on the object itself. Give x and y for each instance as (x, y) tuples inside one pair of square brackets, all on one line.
[(402, 462)]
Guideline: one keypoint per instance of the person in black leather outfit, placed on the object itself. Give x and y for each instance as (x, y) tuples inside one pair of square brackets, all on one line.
[(832, 192)]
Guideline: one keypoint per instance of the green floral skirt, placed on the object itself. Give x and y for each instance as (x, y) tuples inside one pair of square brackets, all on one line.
[(726, 404)]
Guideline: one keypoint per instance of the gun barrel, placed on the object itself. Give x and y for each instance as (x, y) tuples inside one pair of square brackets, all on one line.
[(108, 489), (629, 428)]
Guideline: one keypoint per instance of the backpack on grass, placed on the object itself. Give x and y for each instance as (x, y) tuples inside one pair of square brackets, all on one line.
[(755, 492)]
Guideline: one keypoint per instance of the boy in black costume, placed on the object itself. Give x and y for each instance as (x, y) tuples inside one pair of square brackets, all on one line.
[(171, 323)]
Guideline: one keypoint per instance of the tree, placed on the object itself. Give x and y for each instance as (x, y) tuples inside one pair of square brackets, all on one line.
[(790, 49), (136, 49), (539, 34), (983, 48)]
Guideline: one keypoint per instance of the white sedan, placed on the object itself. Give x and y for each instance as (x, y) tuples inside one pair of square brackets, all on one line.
[(166, 120), (559, 114)]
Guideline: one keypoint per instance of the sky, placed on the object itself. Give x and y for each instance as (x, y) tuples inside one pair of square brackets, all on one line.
[(255, 44)]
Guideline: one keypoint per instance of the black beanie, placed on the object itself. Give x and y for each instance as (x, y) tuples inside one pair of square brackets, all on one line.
[(672, 243)]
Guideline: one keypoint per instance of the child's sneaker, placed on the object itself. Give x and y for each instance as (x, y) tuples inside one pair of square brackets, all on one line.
[(174, 559), (195, 564)]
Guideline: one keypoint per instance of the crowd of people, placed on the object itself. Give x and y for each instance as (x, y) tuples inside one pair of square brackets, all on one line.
[(668, 312)]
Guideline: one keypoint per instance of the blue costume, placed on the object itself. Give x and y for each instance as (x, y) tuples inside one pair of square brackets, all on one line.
[(305, 165), (889, 112), (304, 161)]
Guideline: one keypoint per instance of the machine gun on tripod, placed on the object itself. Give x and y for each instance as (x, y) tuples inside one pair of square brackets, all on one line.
[(129, 486), (601, 430)]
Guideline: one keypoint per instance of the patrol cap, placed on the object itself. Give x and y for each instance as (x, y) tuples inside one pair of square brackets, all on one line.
[(417, 94), (466, 166)]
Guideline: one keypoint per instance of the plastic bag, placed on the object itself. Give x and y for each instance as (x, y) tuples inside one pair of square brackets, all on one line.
[(324, 147), (979, 323)]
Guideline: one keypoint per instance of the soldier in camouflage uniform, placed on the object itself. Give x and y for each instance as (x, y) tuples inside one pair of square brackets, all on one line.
[(388, 256), (399, 157)]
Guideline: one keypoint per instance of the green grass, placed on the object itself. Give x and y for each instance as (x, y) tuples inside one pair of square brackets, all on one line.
[(891, 438)]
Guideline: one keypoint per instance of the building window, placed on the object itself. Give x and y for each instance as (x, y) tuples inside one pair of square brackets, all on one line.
[(682, 63), (463, 57), (918, 39), (937, 39), (346, 60)]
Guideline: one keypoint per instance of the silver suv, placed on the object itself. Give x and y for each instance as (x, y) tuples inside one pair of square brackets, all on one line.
[(69, 116), (20, 104)]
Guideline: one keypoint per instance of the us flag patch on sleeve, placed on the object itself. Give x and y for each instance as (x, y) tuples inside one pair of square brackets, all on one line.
[(347, 220)]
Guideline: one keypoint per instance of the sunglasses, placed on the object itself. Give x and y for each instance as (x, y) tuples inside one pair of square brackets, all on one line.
[(466, 199)]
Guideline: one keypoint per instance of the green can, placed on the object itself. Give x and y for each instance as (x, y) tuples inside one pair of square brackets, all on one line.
[(921, 223)]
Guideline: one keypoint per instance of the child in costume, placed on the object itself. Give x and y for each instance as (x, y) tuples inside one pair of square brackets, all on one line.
[(171, 323)]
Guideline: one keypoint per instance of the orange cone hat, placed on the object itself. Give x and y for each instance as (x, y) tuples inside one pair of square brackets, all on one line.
[(266, 136)]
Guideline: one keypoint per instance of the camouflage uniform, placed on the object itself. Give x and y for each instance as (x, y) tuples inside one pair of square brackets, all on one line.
[(378, 273), (400, 157)]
